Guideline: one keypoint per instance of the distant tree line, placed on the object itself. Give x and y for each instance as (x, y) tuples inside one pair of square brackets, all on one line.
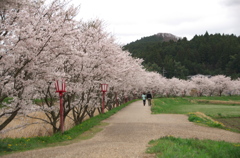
[(204, 54)]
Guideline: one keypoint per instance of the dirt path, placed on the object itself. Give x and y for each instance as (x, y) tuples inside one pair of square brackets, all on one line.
[(128, 134)]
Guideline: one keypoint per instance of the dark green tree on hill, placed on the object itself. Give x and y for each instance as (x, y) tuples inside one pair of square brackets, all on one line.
[(208, 54)]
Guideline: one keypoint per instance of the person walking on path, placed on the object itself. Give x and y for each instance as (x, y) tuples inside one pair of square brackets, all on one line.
[(149, 98), (144, 98)]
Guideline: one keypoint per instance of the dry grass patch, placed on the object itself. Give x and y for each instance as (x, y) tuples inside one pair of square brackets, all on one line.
[(23, 126), (200, 117)]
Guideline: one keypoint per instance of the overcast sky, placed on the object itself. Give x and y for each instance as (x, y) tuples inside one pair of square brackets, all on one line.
[(129, 20)]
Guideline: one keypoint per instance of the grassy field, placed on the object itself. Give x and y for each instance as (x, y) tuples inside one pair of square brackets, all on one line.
[(210, 111), (170, 147), (223, 98), (214, 107)]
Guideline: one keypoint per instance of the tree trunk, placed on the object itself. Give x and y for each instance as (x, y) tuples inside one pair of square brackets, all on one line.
[(9, 119)]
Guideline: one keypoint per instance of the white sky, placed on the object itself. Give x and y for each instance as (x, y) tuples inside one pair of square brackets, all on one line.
[(129, 20)]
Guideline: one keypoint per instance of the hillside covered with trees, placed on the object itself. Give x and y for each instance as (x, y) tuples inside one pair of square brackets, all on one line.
[(206, 54)]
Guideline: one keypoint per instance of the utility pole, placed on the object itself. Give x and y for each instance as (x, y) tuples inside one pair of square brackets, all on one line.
[(163, 72)]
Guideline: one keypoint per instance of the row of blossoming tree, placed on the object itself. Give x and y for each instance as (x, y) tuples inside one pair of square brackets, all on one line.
[(41, 42)]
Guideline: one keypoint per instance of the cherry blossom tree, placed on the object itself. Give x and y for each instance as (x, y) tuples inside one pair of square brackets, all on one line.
[(222, 83), (186, 86), (234, 87), (41, 42), (153, 82), (174, 87), (203, 85), (11, 64), (52, 46), (30, 42), (91, 65)]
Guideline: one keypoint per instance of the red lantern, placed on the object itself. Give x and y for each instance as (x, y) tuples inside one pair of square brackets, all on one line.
[(60, 86), (103, 89)]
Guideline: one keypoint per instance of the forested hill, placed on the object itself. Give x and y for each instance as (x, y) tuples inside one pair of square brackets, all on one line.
[(160, 37), (206, 54)]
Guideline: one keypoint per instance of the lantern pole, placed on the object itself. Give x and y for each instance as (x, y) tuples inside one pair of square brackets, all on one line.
[(60, 88), (61, 112), (103, 101)]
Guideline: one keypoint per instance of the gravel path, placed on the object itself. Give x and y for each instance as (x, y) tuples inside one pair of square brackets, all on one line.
[(128, 134)]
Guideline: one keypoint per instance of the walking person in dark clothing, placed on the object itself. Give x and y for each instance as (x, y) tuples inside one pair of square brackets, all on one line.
[(149, 98), (144, 98)]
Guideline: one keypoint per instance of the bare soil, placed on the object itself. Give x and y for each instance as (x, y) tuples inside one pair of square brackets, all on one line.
[(233, 123)]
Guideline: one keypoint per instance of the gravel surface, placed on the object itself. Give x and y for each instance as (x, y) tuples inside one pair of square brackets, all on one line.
[(128, 134)]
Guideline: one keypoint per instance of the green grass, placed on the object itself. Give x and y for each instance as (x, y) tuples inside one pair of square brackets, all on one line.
[(171, 147), (203, 119), (42, 101), (210, 109), (9, 145), (184, 106), (224, 98), (35, 101), (189, 106), (168, 105), (6, 100)]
